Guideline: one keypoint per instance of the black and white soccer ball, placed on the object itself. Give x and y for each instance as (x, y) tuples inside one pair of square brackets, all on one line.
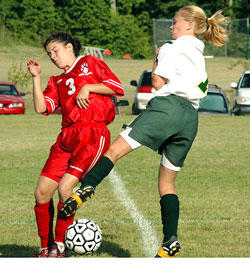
[(83, 236)]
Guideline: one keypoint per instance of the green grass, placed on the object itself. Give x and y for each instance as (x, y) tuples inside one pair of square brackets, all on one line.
[(213, 186)]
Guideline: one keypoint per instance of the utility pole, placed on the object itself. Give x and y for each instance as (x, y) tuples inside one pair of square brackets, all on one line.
[(113, 5)]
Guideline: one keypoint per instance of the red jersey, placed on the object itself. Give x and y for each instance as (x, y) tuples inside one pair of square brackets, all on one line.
[(63, 89)]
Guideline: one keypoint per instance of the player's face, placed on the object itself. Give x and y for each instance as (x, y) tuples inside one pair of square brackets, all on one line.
[(180, 26), (60, 54)]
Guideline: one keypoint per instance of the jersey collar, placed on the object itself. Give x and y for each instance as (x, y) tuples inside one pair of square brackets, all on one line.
[(73, 65)]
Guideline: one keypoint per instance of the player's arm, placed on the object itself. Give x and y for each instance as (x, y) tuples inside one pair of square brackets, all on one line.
[(82, 99), (157, 81), (38, 97)]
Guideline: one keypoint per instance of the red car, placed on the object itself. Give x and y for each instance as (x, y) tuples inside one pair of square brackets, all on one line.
[(11, 101)]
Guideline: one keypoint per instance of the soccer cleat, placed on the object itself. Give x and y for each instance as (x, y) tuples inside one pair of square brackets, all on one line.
[(57, 250), (43, 253), (75, 201), (169, 249)]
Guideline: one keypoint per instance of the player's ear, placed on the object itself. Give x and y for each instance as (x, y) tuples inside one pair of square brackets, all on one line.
[(69, 46), (190, 25)]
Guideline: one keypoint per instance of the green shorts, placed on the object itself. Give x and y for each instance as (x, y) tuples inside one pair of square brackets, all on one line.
[(168, 124)]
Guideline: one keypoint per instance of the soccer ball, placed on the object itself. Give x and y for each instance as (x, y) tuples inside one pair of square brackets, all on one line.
[(83, 236)]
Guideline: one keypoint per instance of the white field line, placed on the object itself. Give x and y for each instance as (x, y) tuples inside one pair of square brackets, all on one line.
[(149, 238)]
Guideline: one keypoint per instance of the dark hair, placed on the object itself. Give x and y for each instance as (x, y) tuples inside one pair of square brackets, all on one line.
[(64, 38)]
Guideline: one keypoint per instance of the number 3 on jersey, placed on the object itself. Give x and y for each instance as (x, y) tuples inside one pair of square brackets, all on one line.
[(72, 88)]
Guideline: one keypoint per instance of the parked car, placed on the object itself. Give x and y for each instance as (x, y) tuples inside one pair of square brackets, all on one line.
[(11, 101), (216, 101), (143, 92), (242, 94)]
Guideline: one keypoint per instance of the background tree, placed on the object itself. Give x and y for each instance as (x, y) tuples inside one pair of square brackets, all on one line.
[(125, 36), (125, 7), (5, 8), (128, 30), (39, 18), (241, 8), (86, 19)]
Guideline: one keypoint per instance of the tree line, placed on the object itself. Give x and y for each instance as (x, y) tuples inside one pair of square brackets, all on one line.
[(127, 28)]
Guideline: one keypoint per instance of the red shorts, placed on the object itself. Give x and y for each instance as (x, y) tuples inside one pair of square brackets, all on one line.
[(77, 150)]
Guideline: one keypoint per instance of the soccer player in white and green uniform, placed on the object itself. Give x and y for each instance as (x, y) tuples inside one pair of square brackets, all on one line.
[(169, 123)]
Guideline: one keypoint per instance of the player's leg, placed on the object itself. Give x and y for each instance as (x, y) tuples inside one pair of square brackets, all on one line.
[(169, 208), (44, 212), (66, 186), (53, 170), (119, 148), (65, 190), (173, 158), (45, 189)]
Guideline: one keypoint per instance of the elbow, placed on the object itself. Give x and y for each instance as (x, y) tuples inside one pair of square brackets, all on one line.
[(158, 81), (40, 106), (40, 110), (155, 83)]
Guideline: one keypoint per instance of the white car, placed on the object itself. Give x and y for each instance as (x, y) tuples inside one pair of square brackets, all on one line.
[(242, 94), (143, 92)]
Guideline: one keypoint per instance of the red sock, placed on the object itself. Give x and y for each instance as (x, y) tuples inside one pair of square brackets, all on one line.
[(62, 224), (44, 219)]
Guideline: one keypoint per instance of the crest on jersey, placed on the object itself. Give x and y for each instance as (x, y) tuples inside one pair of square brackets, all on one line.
[(85, 68)]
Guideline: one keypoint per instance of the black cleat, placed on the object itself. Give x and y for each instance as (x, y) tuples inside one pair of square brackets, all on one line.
[(75, 201)]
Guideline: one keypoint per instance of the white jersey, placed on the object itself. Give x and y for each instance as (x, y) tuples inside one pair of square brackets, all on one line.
[(182, 63)]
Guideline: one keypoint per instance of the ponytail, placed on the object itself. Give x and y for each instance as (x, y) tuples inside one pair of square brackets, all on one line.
[(215, 33), (209, 28)]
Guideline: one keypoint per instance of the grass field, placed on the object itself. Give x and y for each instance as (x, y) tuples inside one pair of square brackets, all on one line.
[(213, 186)]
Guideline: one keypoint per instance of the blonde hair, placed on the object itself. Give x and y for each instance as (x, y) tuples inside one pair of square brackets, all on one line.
[(209, 28)]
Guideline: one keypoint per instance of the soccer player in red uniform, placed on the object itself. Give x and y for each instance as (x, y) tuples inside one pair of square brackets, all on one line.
[(84, 93)]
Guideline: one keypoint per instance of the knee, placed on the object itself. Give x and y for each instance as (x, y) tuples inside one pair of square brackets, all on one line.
[(166, 181), (118, 149), (112, 154), (45, 189), (41, 195), (64, 191)]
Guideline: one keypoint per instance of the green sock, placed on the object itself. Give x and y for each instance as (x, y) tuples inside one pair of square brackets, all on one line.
[(170, 215), (98, 172)]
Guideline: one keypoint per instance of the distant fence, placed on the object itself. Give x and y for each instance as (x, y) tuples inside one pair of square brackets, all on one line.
[(238, 45)]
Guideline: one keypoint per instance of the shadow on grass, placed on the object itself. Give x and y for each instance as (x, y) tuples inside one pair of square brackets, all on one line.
[(113, 250), (16, 251), (107, 247)]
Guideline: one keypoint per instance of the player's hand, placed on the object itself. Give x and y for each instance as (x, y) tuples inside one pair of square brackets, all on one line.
[(82, 99), (34, 67), (71, 205)]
